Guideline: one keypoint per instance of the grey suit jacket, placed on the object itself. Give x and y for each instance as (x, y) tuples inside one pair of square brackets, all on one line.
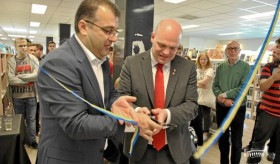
[(136, 79), (73, 132)]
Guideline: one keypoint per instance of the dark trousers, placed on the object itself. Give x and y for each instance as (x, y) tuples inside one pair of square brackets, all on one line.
[(265, 127), (236, 127), (205, 111), (272, 141), (197, 126), (38, 118), (152, 156)]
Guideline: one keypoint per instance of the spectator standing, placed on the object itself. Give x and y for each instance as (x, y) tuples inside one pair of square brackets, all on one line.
[(229, 79), (22, 76)]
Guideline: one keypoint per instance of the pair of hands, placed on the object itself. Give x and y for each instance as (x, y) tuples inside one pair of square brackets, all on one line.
[(148, 128), (225, 101)]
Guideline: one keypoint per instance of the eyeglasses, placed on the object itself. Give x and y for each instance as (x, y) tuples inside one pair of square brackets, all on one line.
[(109, 32), (233, 48), (22, 46)]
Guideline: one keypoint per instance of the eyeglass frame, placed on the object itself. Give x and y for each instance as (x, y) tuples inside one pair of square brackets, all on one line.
[(112, 33), (233, 48)]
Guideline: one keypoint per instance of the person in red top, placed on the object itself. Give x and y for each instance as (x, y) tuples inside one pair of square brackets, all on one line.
[(111, 57), (268, 120)]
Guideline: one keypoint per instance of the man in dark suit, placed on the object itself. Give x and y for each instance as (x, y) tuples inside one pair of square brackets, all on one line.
[(178, 96), (73, 132)]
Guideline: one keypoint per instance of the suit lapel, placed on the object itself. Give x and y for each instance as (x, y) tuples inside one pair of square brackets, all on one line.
[(173, 78), (148, 75), (85, 64)]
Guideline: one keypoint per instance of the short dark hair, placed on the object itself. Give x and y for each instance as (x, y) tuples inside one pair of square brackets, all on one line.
[(30, 44), (51, 42), (88, 8), (277, 41), (180, 47), (39, 46)]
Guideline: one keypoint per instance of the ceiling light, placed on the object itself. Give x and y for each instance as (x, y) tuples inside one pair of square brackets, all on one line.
[(4, 38), (34, 24), (14, 29), (38, 9), (32, 32), (1, 35), (190, 26), (174, 1), (31, 37), (17, 36), (232, 33), (258, 15)]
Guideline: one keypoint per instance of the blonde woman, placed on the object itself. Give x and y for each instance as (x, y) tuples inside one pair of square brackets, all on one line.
[(206, 98)]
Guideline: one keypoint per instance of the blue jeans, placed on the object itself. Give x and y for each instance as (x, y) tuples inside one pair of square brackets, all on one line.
[(27, 107)]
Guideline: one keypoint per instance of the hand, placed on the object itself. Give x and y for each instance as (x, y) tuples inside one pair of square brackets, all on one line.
[(160, 114), (276, 74), (221, 98), (144, 110), (148, 128), (123, 107), (228, 102)]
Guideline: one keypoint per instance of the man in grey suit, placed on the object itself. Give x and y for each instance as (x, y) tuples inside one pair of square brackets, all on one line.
[(73, 132), (138, 78)]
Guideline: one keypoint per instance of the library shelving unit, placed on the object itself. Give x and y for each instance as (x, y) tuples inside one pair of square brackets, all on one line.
[(4, 83)]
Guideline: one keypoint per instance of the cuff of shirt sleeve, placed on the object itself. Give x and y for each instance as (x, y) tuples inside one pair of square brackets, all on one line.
[(168, 119), (224, 95)]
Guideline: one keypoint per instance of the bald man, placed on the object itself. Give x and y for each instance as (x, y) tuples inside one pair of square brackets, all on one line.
[(176, 104), (229, 79)]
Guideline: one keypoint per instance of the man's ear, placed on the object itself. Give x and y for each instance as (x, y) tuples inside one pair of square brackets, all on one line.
[(82, 26)]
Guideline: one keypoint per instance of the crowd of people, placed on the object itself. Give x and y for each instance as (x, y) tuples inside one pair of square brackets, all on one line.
[(161, 89)]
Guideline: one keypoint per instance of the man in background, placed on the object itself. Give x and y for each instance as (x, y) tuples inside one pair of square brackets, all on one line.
[(39, 51), (165, 84), (31, 48), (229, 79), (51, 46), (22, 73), (268, 120), (180, 50)]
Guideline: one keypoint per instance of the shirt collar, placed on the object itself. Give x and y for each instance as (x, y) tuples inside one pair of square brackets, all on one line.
[(234, 62), (154, 62), (91, 57)]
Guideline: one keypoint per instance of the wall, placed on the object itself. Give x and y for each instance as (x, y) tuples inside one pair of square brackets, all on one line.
[(199, 43)]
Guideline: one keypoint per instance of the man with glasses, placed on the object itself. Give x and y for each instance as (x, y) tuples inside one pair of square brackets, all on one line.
[(22, 75), (229, 79), (72, 131)]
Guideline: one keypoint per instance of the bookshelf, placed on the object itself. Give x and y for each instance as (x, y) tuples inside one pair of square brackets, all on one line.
[(4, 83)]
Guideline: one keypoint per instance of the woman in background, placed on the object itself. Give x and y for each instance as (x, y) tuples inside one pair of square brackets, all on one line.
[(206, 98)]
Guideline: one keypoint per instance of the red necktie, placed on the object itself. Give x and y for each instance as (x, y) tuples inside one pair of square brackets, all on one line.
[(159, 139)]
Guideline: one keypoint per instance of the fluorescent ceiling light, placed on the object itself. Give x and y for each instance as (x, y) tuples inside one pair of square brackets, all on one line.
[(17, 36), (14, 29), (31, 37), (1, 35), (174, 1), (258, 15), (190, 26), (34, 24), (38, 9), (4, 38), (233, 33), (32, 32)]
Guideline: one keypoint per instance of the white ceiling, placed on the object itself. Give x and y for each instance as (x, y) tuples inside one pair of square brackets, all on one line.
[(214, 17)]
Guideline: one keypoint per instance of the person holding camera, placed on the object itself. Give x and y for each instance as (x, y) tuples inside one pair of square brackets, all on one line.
[(268, 120)]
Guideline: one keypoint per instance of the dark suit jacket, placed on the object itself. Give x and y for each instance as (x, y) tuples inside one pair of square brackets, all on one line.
[(136, 79), (73, 132)]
